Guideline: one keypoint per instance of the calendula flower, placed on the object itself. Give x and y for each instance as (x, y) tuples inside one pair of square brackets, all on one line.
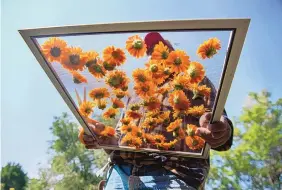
[(159, 138), (91, 58), (99, 93), (108, 132), (144, 90), (149, 138), (136, 46), (179, 101), (133, 114), (114, 55), (129, 129), (108, 66), (152, 103), (160, 52), (141, 75), (127, 139), (164, 117), (96, 68), (195, 142), (101, 103), (197, 110), (75, 59), (120, 93), (200, 90), (167, 145), (117, 103), (126, 121), (54, 49), (117, 79), (178, 61), (174, 126), (181, 82), (136, 142), (149, 123), (110, 113), (191, 129), (209, 48), (153, 114), (135, 107), (196, 72), (78, 78), (156, 70), (86, 108)]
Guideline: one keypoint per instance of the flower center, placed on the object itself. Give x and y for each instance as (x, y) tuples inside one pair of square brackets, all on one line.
[(76, 80), (108, 66), (210, 52), (176, 100), (115, 81), (191, 132), (177, 61), (141, 78), (99, 95), (164, 55), (145, 88), (154, 68), (192, 72), (167, 71), (115, 54), (55, 51), (129, 129), (74, 59), (88, 110), (195, 142), (137, 44)]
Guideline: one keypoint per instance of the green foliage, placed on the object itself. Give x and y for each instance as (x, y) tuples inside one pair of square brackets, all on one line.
[(13, 176), (254, 162), (72, 166)]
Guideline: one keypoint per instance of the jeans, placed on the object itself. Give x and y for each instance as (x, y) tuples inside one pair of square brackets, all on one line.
[(119, 177)]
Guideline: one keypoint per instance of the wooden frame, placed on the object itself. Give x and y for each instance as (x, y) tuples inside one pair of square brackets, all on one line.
[(238, 28)]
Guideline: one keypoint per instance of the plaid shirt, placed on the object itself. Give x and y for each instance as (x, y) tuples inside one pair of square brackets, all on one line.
[(191, 170)]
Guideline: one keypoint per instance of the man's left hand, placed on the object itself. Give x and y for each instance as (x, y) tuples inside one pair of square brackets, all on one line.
[(215, 134)]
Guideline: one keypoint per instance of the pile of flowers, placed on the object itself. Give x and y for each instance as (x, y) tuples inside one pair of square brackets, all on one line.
[(168, 74)]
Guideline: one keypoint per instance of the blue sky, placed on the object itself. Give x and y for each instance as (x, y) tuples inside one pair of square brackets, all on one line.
[(29, 100)]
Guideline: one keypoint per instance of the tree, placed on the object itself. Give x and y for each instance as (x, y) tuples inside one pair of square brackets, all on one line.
[(71, 166), (13, 176), (254, 162)]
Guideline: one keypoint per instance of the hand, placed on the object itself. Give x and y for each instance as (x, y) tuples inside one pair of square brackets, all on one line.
[(88, 140), (215, 134)]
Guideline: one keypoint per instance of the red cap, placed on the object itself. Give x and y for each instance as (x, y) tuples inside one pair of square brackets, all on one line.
[(153, 38)]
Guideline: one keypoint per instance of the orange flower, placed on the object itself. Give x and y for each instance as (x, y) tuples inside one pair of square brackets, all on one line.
[(163, 90), (91, 57), (86, 108), (197, 110), (180, 134), (114, 55), (136, 46), (110, 113), (179, 101), (75, 59), (181, 82), (209, 48), (101, 104), (108, 66), (108, 132), (120, 93), (99, 93), (145, 90), (54, 49), (178, 61), (149, 138), (174, 126), (191, 129), (200, 90), (160, 52), (141, 75), (117, 79), (133, 114), (156, 70), (127, 139), (152, 104), (125, 121), (149, 123), (96, 68), (167, 145), (195, 142), (164, 117), (117, 103), (136, 142), (129, 129), (159, 138), (78, 78), (196, 72)]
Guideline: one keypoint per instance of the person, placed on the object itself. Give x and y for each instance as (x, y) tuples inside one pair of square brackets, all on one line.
[(132, 170)]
